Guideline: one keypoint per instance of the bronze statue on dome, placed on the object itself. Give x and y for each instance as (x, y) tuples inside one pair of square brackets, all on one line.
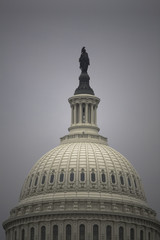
[(84, 60)]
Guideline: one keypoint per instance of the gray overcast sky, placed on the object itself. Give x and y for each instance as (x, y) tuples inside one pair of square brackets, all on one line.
[(40, 43)]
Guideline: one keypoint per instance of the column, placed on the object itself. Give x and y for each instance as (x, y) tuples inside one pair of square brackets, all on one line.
[(127, 228), (138, 233), (115, 231), (7, 235), (18, 233), (92, 115), (74, 114), (86, 112), (89, 231), (103, 231), (95, 115), (48, 232), (77, 113), (89, 113), (27, 232)]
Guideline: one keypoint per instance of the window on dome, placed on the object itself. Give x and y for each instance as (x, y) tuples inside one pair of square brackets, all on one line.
[(108, 233), (82, 176), (135, 184), (68, 232), (83, 113), (32, 233), (82, 232), (55, 232), (36, 181), (122, 180), (43, 179), (121, 233), (141, 235), (95, 232), (61, 178), (129, 181), (52, 178), (23, 234), (72, 176), (132, 234), (93, 177), (113, 178), (43, 233), (103, 177)]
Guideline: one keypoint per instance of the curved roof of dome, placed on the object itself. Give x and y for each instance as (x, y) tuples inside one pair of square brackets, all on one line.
[(80, 170)]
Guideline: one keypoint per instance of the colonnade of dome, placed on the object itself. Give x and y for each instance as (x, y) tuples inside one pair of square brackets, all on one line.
[(85, 227)]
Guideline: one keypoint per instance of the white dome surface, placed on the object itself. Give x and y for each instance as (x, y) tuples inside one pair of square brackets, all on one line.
[(83, 170)]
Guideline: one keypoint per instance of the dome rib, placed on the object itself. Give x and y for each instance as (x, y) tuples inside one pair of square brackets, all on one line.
[(68, 168), (88, 167), (97, 165), (59, 168)]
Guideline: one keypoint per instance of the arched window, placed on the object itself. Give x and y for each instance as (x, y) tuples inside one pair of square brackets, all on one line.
[(121, 233), (141, 235), (36, 181), (122, 180), (95, 232), (108, 233), (135, 184), (43, 233), (23, 234), (32, 233), (113, 178), (68, 232), (61, 177), (55, 232), (52, 178), (83, 113), (103, 177), (82, 176), (43, 179), (129, 181), (93, 177), (82, 232), (72, 176), (131, 234)]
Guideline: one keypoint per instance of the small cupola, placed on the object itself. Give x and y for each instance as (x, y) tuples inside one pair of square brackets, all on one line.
[(84, 103)]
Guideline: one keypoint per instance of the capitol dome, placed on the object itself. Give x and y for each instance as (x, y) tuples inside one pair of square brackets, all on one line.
[(80, 170), (83, 189)]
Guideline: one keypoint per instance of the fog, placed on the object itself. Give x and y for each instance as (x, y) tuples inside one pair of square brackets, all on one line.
[(40, 44)]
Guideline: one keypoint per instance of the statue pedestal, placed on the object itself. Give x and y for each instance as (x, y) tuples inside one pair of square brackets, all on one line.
[(84, 87)]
